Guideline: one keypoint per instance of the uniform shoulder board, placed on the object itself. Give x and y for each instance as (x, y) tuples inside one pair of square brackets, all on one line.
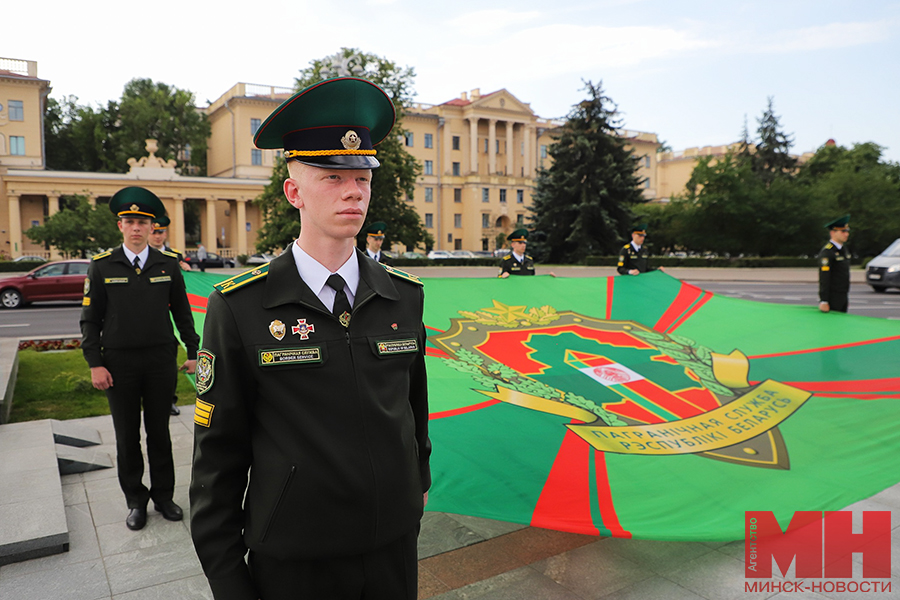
[(101, 255), (626, 246), (242, 279), (507, 257), (528, 257), (169, 253), (402, 274), (829, 246), (175, 250)]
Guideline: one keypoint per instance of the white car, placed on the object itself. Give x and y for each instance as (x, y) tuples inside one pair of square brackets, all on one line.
[(462, 254), (437, 254), (260, 259)]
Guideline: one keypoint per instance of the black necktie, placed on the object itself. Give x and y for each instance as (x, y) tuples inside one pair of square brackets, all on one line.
[(341, 304), (137, 265)]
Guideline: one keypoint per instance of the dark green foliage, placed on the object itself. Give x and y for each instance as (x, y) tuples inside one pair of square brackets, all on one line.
[(280, 220), (78, 229), (82, 138), (582, 203), (772, 159)]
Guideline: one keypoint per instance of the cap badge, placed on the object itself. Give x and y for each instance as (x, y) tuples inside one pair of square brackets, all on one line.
[(351, 141), (277, 329), (135, 207), (303, 329)]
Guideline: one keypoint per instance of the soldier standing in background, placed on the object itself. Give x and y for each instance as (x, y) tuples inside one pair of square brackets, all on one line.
[(834, 268)]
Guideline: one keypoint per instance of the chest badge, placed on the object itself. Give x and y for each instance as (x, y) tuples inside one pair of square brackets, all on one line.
[(277, 329), (345, 319), (303, 329), (394, 326)]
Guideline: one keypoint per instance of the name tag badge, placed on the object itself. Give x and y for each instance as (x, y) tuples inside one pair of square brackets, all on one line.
[(110, 280), (388, 347), (290, 356), (160, 279)]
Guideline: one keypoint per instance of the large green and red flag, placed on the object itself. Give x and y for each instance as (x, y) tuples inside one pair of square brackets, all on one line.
[(646, 407)]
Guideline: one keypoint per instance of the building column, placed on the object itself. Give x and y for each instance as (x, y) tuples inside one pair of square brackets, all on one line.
[(15, 226), (527, 134), (473, 145), (242, 226), (52, 204), (209, 228), (177, 225), (510, 150), (492, 143), (92, 199)]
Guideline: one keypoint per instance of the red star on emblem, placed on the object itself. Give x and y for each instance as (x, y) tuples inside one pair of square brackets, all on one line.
[(303, 329)]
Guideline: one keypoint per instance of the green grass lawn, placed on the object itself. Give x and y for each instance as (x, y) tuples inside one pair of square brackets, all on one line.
[(57, 385)]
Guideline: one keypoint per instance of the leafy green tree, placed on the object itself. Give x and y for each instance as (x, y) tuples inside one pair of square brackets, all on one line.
[(582, 203), (78, 229), (164, 113), (81, 138), (772, 159), (280, 220), (859, 182)]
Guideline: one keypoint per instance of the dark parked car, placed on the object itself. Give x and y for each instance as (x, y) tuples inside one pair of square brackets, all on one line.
[(883, 271), (213, 260), (61, 280)]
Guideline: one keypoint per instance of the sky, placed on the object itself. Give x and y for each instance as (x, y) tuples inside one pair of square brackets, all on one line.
[(690, 71)]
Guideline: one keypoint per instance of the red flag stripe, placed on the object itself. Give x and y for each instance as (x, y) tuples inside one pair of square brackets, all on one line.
[(851, 386), (826, 348), (436, 352), (610, 284), (565, 501), (687, 295), (605, 500), (690, 313), (461, 411)]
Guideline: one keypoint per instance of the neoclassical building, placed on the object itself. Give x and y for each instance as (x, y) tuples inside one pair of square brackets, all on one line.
[(480, 154)]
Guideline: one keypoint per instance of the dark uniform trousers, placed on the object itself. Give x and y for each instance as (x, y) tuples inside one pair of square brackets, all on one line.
[(148, 374)]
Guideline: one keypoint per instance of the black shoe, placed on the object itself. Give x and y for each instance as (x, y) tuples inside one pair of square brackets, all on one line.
[(170, 511), (137, 518), (174, 411)]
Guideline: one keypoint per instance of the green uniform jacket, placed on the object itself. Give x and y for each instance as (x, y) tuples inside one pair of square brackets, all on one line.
[(834, 274), (330, 422), (122, 309), (510, 265), (629, 259)]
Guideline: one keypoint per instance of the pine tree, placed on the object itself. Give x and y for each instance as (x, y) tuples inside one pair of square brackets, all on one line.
[(582, 203), (772, 158)]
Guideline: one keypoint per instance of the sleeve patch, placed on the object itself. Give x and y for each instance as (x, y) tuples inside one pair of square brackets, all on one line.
[(85, 301), (203, 413), (206, 373)]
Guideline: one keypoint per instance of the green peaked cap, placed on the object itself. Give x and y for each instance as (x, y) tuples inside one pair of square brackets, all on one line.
[(136, 202), (519, 235), (376, 228), (335, 124), (839, 222)]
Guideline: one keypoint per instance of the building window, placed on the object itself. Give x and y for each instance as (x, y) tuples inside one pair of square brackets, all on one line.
[(503, 196), (254, 126), (256, 157), (520, 196), (429, 167), (428, 143), (455, 142), (457, 194), (457, 220), (485, 194), (409, 138), (17, 145), (520, 219), (543, 151), (647, 161), (450, 239), (457, 244), (429, 194), (485, 221), (456, 169), (484, 244), (497, 149), (16, 110), (429, 220), (522, 149), (486, 145), (647, 183)]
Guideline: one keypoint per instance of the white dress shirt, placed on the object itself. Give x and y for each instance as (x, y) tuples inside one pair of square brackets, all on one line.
[(143, 255), (315, 275)]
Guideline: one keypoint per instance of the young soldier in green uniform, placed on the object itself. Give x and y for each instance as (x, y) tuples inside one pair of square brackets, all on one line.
[(130, 346), (374, 240), (312, 380), (158, 236), (834, 267), (632, 256), (517, 262)]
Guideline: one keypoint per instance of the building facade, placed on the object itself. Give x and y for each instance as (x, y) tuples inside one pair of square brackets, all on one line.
[(480, 156)]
